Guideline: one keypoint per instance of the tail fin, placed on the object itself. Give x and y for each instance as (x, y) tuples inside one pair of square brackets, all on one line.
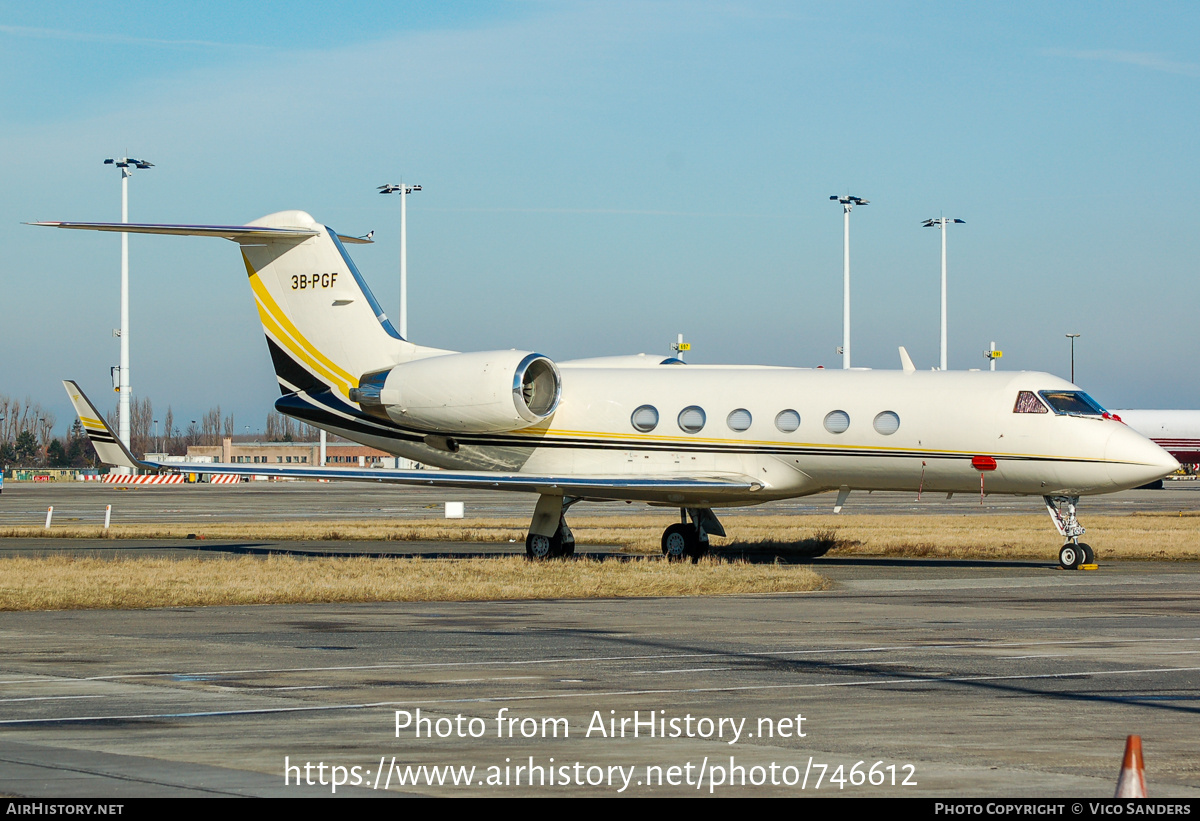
[(109, 448), (324, 327)]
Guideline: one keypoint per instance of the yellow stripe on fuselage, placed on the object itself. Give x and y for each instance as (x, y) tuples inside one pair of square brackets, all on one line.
[(288, 335), (638, 439), (301, 355)]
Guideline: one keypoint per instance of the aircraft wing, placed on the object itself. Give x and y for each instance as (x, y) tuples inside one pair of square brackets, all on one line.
[(112, 451)]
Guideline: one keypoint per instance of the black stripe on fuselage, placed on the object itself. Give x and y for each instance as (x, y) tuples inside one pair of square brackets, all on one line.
[(292, 371), (315, 402), (310, 409)]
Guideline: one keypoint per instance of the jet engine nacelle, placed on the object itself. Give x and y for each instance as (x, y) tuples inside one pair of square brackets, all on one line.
[(484, 392)]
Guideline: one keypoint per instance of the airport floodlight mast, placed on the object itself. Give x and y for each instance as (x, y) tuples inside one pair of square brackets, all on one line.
[(942, 222), (1072, 337), (403, 190), (126, 164), (680, 348), (848, 202), (991, 355)]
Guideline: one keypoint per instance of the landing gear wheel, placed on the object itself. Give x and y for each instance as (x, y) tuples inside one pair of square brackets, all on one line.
[(678, 542), (1089, 555), (539, 548), (1070, 556)]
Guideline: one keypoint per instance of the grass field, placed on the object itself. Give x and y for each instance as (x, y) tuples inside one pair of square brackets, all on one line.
[(64, 583), (762, 554), (1130, 536)]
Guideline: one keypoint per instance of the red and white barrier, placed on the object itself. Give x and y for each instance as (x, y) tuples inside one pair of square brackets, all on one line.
[(156, 479), (224, 479)]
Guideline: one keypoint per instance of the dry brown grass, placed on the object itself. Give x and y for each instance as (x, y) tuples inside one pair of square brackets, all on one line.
[(62, 583), (1136, 536), (1139, 536)]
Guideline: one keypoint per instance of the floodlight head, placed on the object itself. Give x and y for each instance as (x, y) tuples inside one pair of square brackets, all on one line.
[(415, 188), (142, 163), (390, 188), (849, 202)]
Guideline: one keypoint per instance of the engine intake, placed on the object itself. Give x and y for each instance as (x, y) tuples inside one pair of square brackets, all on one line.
[(484, 392)]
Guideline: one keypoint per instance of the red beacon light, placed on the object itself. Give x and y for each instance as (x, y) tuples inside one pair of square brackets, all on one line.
[(982, 463)]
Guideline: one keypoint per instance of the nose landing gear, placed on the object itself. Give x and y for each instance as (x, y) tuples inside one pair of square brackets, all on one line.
[(1074, 554)]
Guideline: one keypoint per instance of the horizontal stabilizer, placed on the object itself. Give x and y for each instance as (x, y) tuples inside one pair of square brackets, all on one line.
[(237, 233)]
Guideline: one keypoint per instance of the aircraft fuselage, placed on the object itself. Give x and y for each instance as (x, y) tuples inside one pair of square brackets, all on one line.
[(865, 430)]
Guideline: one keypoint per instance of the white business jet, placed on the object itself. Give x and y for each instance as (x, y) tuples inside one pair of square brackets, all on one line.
[(641, 428)]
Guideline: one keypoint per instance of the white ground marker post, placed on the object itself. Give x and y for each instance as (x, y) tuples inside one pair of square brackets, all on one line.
[(454, 510), (49, 515), (107, 515)]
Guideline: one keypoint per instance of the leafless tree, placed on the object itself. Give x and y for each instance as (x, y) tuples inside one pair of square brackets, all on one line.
[(211, 427), (169, 443)]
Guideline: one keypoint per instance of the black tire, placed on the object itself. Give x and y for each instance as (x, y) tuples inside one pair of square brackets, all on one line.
[(1070, 556), (540, 548), (1089, 555), (678, 542)]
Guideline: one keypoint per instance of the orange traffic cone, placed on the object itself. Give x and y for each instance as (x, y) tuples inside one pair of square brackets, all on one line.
[(1131, 783)]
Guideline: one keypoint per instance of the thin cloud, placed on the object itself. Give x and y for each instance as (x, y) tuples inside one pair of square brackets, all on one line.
[(117, 39), (1144, 59), (600, 211)]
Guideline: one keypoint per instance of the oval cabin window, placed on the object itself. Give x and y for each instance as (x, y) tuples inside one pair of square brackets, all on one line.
[(887, 423), (837, 421), (645, 418), (691, 419), (739, 419), (787, 421)]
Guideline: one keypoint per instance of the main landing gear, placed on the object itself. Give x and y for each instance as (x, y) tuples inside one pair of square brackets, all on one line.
[(1073, 554), (549, 537), (690, 541)]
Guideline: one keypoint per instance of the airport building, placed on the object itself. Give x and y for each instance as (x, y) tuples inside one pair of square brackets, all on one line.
[(337, 454)]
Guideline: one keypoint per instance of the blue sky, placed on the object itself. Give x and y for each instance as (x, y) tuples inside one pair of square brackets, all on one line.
[(601, 176)]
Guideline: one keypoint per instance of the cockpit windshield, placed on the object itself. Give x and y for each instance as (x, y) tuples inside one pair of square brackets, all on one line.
[(1075, 403)]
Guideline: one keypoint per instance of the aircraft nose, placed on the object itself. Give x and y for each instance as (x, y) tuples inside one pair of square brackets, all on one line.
[(1133, 460)]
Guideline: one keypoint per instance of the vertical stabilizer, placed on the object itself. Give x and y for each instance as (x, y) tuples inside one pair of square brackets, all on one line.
[(323, 325)]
